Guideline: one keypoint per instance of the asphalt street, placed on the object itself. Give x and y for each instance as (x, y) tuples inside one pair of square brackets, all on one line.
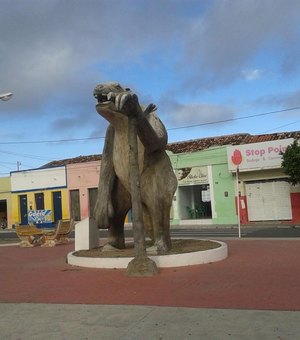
[(248, 232), (201, 232)]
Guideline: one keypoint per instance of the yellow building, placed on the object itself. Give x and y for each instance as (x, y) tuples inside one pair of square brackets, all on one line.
[(39, 196), (5, 202)]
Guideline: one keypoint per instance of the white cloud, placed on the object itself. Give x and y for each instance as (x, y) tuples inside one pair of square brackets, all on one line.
[(197, 113), (54, 52), (250, 75), (233, 33)]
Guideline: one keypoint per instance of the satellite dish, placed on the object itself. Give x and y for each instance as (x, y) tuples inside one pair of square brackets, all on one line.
[(5, 96)]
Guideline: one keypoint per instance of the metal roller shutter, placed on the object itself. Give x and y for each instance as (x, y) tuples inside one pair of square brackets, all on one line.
[(269, 200)]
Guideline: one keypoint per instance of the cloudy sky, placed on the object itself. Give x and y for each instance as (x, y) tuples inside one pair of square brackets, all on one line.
[(217, 61)]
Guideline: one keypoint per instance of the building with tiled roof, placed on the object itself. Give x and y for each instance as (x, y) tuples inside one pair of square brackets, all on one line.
[(235, 139), (206, 169), (75, 160), (194, 145)]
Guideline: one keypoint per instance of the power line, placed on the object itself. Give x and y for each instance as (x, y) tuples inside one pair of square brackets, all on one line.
[(233, 119), (282, 126), (25, 155), (169, 129), (53, 141)]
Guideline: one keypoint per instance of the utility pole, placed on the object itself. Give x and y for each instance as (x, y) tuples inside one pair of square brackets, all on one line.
[(238, 200)]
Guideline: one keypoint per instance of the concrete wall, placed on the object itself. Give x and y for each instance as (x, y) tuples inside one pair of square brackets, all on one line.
[(224, 195), (38, 179)]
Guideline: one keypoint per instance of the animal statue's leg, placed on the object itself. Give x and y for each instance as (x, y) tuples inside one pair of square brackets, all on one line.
[(148, 223), (157, 226), (156, 216), (121, 201), (157, 196), (103, 210), (161, 226)]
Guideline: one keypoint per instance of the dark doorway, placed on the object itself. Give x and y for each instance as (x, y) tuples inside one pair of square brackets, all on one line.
[(23, 209), (93, 193), (3, 213), (56, 196), (75, 205), (39, 201)]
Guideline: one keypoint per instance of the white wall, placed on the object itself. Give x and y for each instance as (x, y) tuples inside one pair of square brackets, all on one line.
[(38, 179)]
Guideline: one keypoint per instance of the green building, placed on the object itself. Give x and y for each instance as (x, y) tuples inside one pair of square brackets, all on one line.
[(206, 188)]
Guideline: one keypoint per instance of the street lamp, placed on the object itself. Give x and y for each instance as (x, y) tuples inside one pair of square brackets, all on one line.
[(5, 96)]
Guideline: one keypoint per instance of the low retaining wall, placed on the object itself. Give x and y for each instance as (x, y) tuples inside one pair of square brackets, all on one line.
[(162, 261)]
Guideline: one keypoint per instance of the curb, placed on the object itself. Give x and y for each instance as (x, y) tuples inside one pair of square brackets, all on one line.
[(162, 261)]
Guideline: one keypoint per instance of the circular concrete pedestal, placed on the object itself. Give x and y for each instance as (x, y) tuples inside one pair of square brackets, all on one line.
[(162, 261)]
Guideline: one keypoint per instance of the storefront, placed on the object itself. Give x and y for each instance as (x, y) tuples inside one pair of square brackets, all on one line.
[(264, 191), (194, 193), (205, 193)]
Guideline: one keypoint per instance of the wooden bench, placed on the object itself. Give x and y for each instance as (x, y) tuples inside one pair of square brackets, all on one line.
[(29, 235), (59, 235)]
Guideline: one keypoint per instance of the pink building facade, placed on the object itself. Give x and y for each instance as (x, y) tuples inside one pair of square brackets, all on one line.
[(83, 179)]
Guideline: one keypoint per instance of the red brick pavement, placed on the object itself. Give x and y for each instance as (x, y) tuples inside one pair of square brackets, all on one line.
[(258, 274)]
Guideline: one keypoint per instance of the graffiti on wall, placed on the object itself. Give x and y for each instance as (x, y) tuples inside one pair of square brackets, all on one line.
[(39, 216)]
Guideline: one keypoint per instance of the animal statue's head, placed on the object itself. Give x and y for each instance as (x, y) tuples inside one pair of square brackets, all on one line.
[(109, 95), (115, 102)]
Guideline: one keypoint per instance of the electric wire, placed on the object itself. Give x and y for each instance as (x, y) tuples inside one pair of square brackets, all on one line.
[(168, 129), (282, 126), (234, 119)]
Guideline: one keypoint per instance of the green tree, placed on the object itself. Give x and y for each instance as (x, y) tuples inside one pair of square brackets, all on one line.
[(291, 162)]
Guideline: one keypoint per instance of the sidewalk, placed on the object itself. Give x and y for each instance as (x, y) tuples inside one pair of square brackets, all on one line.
[(40, 321), (253, 294)]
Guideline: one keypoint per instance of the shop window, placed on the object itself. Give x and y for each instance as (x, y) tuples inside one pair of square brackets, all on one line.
[(194, 202)]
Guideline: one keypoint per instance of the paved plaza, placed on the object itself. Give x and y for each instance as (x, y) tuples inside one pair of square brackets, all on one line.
[(253, 294)]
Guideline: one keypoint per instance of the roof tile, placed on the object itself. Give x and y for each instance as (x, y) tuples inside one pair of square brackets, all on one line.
[(194, 145)]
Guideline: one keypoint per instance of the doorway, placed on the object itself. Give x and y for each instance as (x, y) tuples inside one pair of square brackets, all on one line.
[(3, 213), (75, 205), (195, 202), (93, 194), (39, 201), (56, 198), (23, 209), (269, 200)]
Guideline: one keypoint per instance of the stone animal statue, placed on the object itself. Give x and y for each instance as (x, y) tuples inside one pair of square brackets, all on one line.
[(157, 180)]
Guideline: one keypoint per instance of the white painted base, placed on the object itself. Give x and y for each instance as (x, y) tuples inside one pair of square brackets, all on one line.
[(162, 261), (86, 234)]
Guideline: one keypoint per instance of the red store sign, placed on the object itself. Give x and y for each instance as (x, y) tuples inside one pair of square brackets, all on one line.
[(256, 156)]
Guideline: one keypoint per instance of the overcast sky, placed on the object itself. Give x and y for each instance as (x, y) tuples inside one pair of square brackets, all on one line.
[(198, 61)]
